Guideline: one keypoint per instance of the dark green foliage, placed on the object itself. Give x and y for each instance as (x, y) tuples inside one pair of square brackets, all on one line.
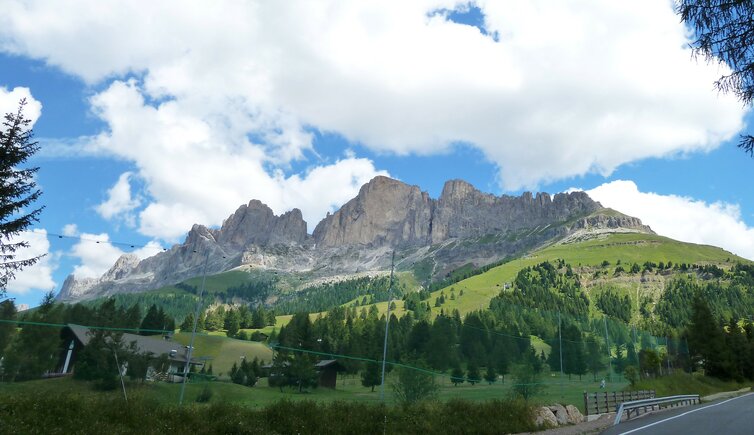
[(232, 323), (156, 321), (456, 376), (594, 357), (35, 349), (526, 381), (325, 296), (414, 385), (7, 330), (615, 306), (188, 323), (18, 191), (473, 375), (490, 376), (98, 415), (205, 396), (631, 373), (96, 361), (730, 297), (545, 288), (371, 376), (723, 35), (706, 341)]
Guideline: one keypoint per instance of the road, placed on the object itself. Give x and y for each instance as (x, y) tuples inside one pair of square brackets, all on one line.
[(725, 417)]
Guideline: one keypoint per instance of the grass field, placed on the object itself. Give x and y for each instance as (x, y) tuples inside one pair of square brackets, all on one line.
[(349, 389), (224, 351)]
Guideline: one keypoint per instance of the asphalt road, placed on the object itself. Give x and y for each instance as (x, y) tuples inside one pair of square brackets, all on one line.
[(724, 417)]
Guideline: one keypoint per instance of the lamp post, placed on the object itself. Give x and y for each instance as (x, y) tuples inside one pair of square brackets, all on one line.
[(387, 327), (193, 332)]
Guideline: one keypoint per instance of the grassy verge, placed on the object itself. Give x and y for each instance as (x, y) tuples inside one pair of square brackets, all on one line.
[(683, 383), (66, 413)]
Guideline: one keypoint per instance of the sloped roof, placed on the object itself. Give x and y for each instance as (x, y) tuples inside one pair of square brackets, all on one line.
[(144, 344)]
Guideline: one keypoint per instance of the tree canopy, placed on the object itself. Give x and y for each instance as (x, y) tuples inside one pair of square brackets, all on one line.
[(725, 33), (18, 191)]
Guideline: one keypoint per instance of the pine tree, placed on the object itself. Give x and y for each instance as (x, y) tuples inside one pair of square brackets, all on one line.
[(370, 375), (456, 376), (473, 375), (18, 191), (490, 376), (188, 323), (7, 330)]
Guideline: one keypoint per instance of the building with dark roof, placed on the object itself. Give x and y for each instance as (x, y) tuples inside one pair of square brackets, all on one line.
[(76, 337)]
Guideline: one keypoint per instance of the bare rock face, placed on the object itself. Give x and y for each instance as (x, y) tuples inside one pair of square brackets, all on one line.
[(385, 212), (463, 212), (462, 226), (255, 224)]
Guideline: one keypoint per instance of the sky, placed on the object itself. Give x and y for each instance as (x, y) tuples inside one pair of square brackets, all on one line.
[(151, 118)]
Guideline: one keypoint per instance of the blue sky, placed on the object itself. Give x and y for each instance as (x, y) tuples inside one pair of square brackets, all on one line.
[(146, 129)]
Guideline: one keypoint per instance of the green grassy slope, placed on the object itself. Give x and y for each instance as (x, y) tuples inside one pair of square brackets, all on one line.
[(225, 351), (629, 248)]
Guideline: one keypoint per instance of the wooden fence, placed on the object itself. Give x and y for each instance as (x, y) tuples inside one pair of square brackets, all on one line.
[(601, 402)]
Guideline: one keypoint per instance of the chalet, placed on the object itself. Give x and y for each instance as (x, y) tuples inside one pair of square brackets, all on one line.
[(76, 337), (328, 370)]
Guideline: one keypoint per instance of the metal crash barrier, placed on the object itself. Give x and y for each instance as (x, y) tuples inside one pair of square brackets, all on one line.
[(646, 405)]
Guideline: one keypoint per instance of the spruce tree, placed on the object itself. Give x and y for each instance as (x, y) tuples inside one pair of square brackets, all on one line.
[(490, 376), (456, 376), (18, 191)]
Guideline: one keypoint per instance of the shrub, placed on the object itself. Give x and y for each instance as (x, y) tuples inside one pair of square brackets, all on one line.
[(205, 395)]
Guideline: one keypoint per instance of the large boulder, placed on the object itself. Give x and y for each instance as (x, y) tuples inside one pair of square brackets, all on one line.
[(560, 413), (545, 417), (574, 415)]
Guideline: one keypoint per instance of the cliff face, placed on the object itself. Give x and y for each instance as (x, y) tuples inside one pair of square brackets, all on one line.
[(463, 212), (386, 214), (255, 224), (390, 213)]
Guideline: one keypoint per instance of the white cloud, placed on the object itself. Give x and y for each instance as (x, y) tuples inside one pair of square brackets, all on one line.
[(9, 102), (681, 218), (96, 254), (70, 230), (226, 90), (120, 202), (39, 275)]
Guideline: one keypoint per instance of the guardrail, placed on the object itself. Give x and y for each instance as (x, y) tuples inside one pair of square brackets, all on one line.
[(604, 401), (638, 405)]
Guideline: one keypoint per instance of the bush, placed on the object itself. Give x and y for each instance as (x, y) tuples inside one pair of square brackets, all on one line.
[(414, 386), (205, 395), (40, 412)]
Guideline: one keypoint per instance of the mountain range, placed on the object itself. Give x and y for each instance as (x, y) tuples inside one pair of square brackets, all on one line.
[(463, 226)]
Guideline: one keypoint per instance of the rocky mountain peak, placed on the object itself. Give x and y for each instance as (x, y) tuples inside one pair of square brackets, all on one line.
[(256, 224), (385, 212)]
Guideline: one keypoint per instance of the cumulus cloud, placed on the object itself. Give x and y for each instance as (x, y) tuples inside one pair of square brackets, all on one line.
[(9, 100), (96, 254), (38, 276), (120, 202), (70, 230), (681, 218), (228, 92)]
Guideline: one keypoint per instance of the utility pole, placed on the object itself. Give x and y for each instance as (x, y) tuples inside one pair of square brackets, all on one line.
[(193, 332), (560, 345), (387, 327), (609, 354)]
